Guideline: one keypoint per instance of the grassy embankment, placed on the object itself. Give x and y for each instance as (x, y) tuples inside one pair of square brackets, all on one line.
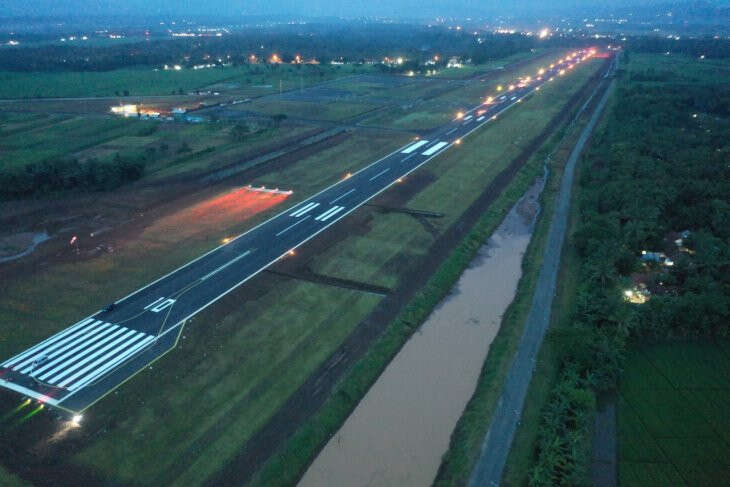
[(545, 373), (676, 461), (468, 435), (286, 466)]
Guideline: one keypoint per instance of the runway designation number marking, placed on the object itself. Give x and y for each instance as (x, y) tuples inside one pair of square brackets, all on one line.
[(159, 305)]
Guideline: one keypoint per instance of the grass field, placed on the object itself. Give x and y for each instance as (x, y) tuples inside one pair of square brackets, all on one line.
[(146, 81), (31, 138), (333, 110), (472, 69), (673, 428), (52, 136), (677, 68), (437, 110)]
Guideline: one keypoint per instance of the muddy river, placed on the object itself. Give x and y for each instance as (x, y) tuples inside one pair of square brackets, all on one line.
[(400, 430)]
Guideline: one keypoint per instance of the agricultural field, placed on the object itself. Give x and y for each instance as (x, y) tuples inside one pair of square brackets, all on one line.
[(673, 427), (249, 80), (27, 139)]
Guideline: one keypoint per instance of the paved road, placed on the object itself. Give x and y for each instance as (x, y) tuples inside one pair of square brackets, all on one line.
[(498, 440), (76, 367)]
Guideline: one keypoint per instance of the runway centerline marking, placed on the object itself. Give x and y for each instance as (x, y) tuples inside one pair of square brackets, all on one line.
[(292, 226), (380, 173), (341, 196), (229, 263), (452, 130), (408, 156)]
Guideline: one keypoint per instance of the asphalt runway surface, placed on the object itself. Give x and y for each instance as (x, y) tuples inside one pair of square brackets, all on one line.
[(86, 361)]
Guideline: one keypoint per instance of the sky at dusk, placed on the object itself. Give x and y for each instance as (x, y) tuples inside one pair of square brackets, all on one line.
[(313, 8)]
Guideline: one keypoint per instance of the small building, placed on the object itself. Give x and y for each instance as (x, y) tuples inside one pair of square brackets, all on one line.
[(454, 62), (658, 257), (125, 110)]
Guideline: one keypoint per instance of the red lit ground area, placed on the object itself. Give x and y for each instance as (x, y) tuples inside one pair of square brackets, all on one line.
[(221, 213)]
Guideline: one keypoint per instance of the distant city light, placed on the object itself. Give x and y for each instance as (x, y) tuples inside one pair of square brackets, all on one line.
[(544, 33)]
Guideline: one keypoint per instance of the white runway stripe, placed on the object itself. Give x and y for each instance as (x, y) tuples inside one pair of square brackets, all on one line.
[(415, 146), (47, 341), (114, 362), (339, 209), (305, 209), (432, 150), (104, 358), (46, 350), (84, 341), (62, 364), (468, 117), (326, 214), (130, 335), (480, 118)]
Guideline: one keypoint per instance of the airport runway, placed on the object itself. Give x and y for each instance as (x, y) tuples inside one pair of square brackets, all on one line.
[(81, 364)]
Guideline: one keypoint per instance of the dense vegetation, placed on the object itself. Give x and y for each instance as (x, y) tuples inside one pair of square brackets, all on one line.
[(660, 165), (342, 42), (59, 174)]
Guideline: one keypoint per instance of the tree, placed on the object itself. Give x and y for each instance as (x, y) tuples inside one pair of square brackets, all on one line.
[(278, 118)]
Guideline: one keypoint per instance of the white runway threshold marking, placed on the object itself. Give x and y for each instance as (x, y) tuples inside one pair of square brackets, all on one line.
[(415, 146), (432, 150), (305, 209), (80, 354), (329, 213), (480, 118)]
